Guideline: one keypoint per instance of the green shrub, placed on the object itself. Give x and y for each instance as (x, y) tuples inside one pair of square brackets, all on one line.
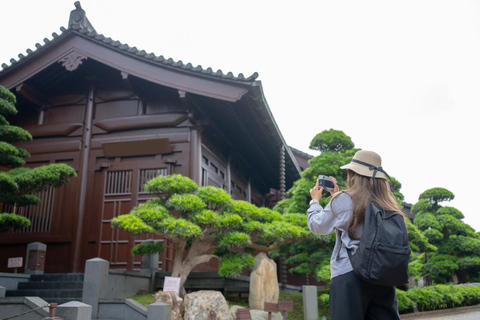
[(405, 304), (443, 296), (324, 301)]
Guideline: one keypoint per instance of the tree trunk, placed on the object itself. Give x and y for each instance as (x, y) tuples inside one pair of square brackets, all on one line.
[(197, 254)]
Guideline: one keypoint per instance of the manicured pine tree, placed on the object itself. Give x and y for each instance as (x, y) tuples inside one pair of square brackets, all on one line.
[(204, 223), (17, 183), (457, 242)]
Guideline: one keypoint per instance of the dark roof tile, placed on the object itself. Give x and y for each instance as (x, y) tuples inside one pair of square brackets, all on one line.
[(132, 50)]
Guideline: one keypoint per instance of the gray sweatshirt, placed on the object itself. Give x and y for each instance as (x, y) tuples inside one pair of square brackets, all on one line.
[(323, 221)]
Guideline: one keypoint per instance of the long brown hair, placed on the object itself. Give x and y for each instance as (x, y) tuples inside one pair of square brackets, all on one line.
[(362, 190)]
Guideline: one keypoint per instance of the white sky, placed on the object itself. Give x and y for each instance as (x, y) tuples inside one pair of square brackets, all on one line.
[(401, 78)]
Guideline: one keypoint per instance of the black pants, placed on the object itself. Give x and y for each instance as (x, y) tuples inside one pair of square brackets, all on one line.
[(351, 298)]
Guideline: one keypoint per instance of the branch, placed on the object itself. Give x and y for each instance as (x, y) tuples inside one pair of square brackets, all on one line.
[(274, 247), (201, 259)]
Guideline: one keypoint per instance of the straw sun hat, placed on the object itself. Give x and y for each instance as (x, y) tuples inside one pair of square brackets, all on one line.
[(367, 163)]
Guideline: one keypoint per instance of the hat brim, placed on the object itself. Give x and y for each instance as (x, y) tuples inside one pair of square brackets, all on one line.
[(362, 170)]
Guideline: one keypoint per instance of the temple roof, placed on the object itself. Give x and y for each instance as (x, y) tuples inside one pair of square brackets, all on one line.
[(80, 24), (83, 38)]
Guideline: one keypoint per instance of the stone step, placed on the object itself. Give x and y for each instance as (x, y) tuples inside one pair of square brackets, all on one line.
[(61, 300), (50, 285), (45, 293), (56, 277)]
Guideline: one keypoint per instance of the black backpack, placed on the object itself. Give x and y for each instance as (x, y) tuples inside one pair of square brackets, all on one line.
[(383, 252)]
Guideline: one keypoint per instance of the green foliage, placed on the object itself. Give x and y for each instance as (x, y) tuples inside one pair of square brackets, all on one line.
[(471, 266), (131, 223), (433, 235), (234, 239), (14, 134), (324, 300), (146, 248), (233, 264), (418, 241), (426, 221), (214, 198), (17, 184), (444, 296), (423, 205), (451, 211), (7, 102), (441, 267), (166, 186), (451, 225), (460, 245), (416, 268), (324, 273), (185, 204), (206, 218), (209, 224), (10, 156), (437, 195), (331, 140), (10, 221), (404, 302)]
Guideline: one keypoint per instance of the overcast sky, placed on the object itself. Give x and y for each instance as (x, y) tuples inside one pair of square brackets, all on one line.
[(401, 78)]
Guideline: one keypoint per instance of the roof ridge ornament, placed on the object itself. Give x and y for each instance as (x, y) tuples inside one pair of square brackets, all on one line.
[(78, 19)]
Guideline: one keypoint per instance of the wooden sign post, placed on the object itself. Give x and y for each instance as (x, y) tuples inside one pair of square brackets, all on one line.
[(270, 307), (171, 284), (285, 306), (15, 263), (243, 314)]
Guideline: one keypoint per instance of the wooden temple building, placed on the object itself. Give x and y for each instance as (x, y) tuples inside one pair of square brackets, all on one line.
[(121, 116)]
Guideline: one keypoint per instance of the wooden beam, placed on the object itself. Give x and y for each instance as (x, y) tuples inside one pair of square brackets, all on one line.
[(33, 95)]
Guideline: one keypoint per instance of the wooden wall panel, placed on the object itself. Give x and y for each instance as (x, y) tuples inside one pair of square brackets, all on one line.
[(64, 114), (116, 109)]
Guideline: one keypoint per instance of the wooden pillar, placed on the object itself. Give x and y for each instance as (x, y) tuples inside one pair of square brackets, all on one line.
[(196, 154), (283, 265), (282, 173), (229, 176), (82, 178)]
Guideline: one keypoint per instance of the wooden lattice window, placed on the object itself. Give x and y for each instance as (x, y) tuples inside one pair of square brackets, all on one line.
[(146, 175), (40, 215), (118, 182)]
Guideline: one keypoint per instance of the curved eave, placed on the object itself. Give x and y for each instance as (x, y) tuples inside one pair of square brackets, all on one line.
[(272, 125), (128, 60)]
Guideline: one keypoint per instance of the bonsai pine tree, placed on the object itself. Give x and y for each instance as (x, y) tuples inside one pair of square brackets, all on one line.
[(204, 223), (458, 244), (18, 182)]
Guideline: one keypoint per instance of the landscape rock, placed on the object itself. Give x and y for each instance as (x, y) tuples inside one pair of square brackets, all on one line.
[(173, 299), (263, 282), (199, 304)]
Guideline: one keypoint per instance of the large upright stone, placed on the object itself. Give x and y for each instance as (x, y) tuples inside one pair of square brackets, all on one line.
[(95, 283), (310, 303), (36, 256), (263, 282), (200, 304), (174, 300)]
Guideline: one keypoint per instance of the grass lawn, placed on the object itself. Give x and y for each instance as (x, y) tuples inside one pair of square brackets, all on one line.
[(295, 314)]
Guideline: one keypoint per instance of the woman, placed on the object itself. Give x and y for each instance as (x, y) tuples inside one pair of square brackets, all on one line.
[(350, 297)]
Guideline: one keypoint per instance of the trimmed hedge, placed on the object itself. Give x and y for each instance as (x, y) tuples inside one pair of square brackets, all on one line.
[(437, 297), (429, 298)]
